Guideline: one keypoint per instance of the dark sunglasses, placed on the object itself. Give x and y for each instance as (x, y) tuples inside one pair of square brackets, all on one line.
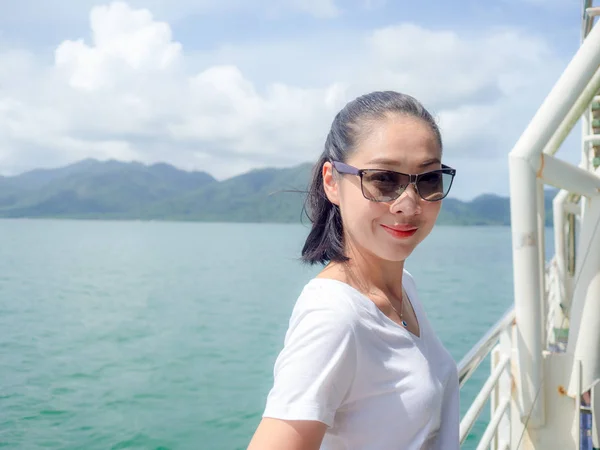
[(386, 185)]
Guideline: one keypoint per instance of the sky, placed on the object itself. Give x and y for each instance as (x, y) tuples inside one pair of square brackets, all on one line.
[(226, 86)]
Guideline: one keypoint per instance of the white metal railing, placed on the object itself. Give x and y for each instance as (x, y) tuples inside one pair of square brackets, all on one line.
[(483, 347), (479, 402), (546, 300), (480, 352), (530, 167), (492, 428), (467, 367)]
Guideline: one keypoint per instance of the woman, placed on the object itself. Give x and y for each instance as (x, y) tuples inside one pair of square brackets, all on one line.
[(361, 367)]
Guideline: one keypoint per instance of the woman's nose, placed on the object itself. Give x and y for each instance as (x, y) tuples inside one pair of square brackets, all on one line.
[(408, 202)]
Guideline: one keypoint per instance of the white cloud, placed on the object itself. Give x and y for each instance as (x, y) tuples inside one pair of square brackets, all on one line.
[(130, 93), (484, 88), (123, 39)]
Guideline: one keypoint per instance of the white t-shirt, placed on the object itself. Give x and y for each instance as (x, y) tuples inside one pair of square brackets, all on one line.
[(376, 385)]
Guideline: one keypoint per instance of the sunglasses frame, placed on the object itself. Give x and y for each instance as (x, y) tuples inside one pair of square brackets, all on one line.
[(344, 168)]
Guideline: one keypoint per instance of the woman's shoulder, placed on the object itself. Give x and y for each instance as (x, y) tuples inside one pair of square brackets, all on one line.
[(327, 297), (322, 315)]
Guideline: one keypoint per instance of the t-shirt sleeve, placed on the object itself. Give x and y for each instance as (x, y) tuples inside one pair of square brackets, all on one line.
[(316, 366)]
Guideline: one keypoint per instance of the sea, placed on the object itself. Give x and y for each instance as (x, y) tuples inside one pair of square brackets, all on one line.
[(163, 335)]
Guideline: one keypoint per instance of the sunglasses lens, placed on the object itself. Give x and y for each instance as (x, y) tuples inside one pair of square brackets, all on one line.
[(434, 186), (386, 186), (383, 186)]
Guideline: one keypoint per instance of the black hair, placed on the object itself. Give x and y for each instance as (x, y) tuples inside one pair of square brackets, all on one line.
[(325, 242)]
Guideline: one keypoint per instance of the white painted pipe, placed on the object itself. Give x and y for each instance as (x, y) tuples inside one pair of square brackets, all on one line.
[(574, 114), (560, 249), (585, 132), (490, 431), (504, 446), (569, 177), (527, 287), (592, 139), (577, 370), (561, 98), (593, 11), (541, 232)]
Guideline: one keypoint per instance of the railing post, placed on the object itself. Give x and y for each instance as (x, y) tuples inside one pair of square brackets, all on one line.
[(559, 242), (527, 287), (502, 390)]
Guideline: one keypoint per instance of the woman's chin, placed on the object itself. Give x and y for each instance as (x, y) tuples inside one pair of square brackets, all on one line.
[(395, 255)]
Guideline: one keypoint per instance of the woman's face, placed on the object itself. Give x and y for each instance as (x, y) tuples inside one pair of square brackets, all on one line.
[(387, 230)]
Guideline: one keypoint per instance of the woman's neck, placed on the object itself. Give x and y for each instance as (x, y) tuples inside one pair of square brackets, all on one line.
[(368, 273)]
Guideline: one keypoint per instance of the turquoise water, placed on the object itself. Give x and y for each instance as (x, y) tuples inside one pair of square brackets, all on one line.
[(158, 335)]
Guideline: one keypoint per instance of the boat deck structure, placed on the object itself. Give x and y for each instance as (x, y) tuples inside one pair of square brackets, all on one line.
[(543, 388)]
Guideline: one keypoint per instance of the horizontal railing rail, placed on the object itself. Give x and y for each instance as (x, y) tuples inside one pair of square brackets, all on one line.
[(484, 346)]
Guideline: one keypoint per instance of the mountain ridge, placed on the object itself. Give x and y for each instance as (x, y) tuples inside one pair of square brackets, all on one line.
[(92, 189)]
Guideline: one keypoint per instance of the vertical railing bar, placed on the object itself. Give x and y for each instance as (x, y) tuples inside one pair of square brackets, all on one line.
[(476, 407)]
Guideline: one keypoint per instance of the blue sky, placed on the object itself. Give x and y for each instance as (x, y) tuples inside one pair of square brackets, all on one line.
[(226, 86)]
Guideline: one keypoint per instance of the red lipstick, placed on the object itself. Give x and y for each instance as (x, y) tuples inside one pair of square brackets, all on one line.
[(400, 231)]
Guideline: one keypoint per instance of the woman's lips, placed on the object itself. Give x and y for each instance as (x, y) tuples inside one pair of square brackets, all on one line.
[(400, 231)]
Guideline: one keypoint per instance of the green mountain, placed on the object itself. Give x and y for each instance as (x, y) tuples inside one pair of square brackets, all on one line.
[(95, 189), (92, 189)]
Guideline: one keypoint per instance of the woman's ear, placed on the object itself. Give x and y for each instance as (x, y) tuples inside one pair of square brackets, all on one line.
[(330, 183)]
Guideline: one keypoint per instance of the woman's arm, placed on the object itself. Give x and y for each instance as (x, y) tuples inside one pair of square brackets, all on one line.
[(276, 434)]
